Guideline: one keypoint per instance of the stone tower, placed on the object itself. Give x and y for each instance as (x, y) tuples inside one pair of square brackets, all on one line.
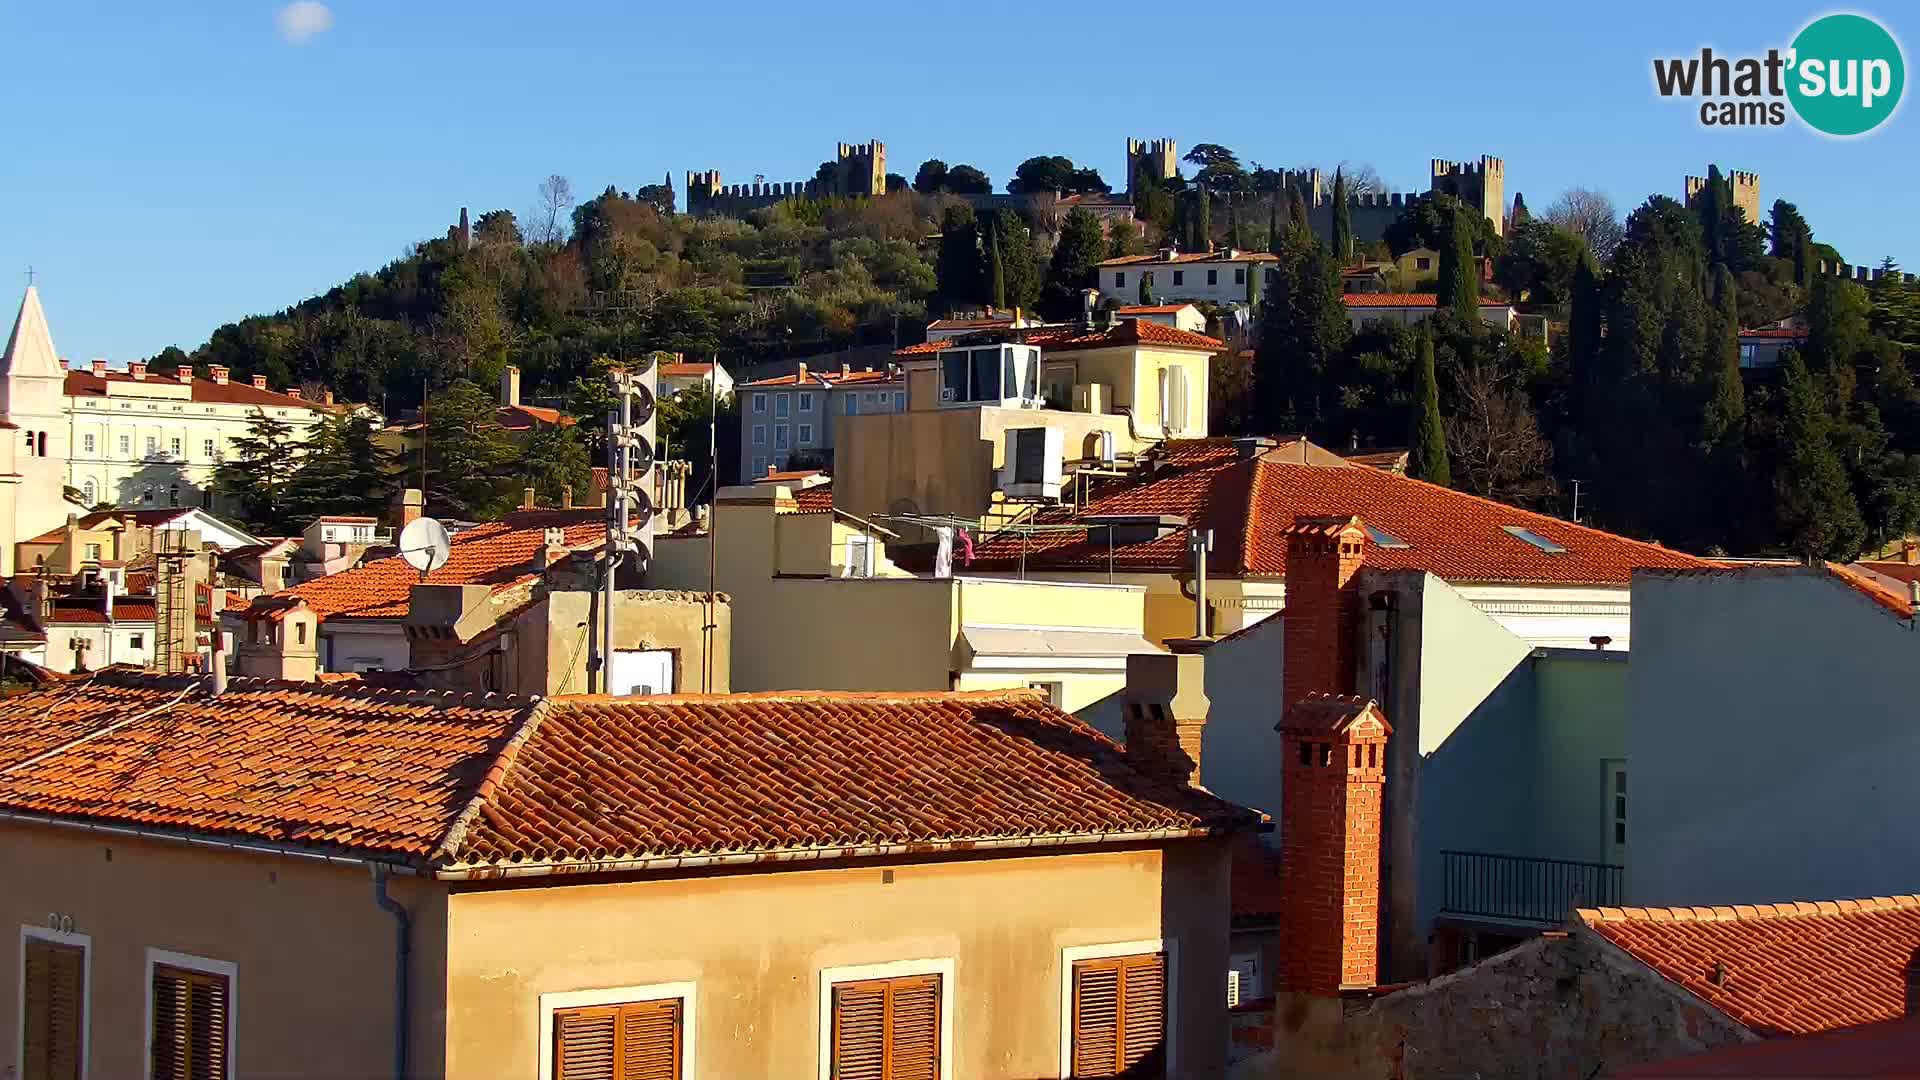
[(1481, 185), (702, 188), (33, 404), (1746, 192), (1160, 158), (861, 169)]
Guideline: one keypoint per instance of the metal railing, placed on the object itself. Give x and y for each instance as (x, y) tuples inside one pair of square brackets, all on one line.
[(1522, 888)]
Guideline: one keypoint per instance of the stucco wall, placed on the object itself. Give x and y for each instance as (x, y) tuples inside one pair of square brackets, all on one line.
[(552, 640), (364, 644), (313, 989), (754, 946), (1771, 741), (1581, 705), (1560, 1007)]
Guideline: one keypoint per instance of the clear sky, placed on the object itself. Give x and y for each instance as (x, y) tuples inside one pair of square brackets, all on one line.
[(170, 167)]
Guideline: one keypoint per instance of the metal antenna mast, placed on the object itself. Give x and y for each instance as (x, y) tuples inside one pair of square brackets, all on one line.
[(630, 458)]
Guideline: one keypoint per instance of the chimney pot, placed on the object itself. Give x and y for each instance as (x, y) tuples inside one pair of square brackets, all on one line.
[(293, 392), (526, 498), (411, 503), (259, 382), (137, 369), (99, 367), (1166, 714), (802, 377), (184, 373), (219, 373)]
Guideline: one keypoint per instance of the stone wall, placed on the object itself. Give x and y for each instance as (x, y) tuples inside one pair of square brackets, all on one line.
[(1564, 1005)]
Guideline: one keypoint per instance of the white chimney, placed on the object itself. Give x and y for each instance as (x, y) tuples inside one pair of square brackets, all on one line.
[(510, 386)]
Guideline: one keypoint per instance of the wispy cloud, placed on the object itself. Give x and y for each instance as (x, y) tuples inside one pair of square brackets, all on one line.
[(302, 20)]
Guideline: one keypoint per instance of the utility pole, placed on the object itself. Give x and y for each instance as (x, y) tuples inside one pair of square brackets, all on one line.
[(713, 522)]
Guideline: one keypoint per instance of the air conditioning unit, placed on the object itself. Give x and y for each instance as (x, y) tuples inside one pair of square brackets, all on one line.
[(1091, 397), (1033, 467)]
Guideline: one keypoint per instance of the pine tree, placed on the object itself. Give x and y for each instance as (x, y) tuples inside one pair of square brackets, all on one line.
[(1459, 277), (996, 270), (1079, 249), (1304, 332), (1427, 453), (344, 471), (470, 460), (555, 459), (1519, 215), (1342, 220), (1814, 508), (958, 269), (251, 481)]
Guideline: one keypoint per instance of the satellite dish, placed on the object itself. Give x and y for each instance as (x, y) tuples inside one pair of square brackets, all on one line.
[(423, 543)]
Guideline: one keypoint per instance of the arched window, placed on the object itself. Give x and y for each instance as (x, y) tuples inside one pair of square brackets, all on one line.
[(87, 489), (173, 495), (29, 444), (146, 495), (43, 444)]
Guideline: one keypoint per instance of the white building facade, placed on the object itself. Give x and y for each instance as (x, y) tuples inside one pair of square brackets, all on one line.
[(140, 438), (1217, 276)]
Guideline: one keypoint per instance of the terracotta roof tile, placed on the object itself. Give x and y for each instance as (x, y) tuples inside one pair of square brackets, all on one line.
[(133, 609), (1157, 259), (1251, 502), (817, 499), (1792, 969), (1408, 300), (335, 766), (685, 370), (1885, 1051), (479, 781), (603, 778), (830, 377), (497, 553), (205, 391), (1125, 333)]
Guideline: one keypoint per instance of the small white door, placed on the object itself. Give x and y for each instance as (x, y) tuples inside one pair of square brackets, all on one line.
[(1613, 772), (640, 671)]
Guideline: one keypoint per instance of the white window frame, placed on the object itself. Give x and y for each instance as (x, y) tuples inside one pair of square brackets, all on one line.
[(780, 437), (212, 449), (781, 406), (86, 441), (804, 435), (621, 995), (759, 468), (1073, 954), (126, 446), (938, 965), (206, 966), (759, 403), (177, 444), (806, 401), (759, 434), (84, 942)]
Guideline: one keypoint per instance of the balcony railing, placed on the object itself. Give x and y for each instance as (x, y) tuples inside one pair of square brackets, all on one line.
[(1523, 889)]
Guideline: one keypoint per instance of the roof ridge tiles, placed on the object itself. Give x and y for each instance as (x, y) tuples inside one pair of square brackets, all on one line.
[(1784, 909), (503, 763)]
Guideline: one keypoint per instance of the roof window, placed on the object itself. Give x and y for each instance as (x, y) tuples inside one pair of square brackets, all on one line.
[(1383, 539), (1535, 539)]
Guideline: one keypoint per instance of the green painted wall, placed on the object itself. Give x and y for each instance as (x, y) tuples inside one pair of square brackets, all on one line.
[(1581, 721)]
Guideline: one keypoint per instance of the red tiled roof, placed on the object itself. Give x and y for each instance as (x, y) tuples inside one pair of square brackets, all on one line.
[(1889, 1050), (497, 554), (785, 476), (133, 610), (203, 391), (1152, 309), (524, 417), (602, 778), (686, 371), (1249, 503), (1778, 969), (817, 499), (830, 377), (971, 324), (1775, 332), (83, 610), (334, 766), (1899, 570), (1127, 332), (1406, 300), (1191, 257), (472, 782)]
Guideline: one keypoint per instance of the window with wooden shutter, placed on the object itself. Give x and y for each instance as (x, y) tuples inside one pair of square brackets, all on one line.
[(190, 1024), (640, 1041), (53, 1005), (1120, 1016), (887, 1029)]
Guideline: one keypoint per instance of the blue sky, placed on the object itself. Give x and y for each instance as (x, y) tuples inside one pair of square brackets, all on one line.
[(173, 167)]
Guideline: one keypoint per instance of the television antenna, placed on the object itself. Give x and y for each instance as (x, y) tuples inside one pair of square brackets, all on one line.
[(423, 543)]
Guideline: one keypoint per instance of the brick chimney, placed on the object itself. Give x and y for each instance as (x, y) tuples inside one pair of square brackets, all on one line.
[(1322, 613), (220, 373), (184, 373), (409, 506), (259, 382), (510, 387), (1334, 753), (137, 369), (1166, 714), (801, 378), (293, 392)]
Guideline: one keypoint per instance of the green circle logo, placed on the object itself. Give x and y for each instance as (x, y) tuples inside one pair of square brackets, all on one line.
[(1847, 74)]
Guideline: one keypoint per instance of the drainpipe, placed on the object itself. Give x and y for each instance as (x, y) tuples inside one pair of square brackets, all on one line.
[(403, 952)]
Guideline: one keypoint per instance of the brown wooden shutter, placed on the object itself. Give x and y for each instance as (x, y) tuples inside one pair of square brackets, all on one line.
[(640, 1041), (190, 1032), (1120, 1016), (887, 1029), (53, 1008)]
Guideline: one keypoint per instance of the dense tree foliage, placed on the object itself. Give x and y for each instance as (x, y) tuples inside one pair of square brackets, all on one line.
[(252, 480), (1055, 174), (1427, 443)]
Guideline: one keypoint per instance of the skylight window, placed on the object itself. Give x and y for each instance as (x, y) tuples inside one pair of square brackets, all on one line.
[(1535, 539), (1383, 539)]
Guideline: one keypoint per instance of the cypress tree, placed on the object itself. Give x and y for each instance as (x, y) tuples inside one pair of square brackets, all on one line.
[(1427, 453), (996, 270), (1342, 220), (1725, 404), (1146, 287), (1297, 211), (1815, 509), (1276, 236), (1255, 271), (1202, 221), (1459, 279), (957, 270), (1233, 223)]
